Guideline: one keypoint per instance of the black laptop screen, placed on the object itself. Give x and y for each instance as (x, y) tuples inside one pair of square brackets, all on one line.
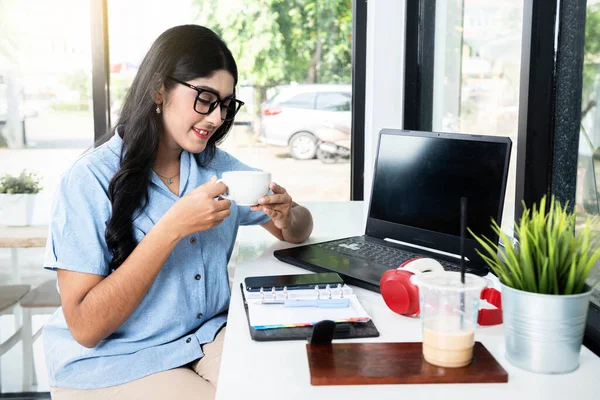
[(419, 181)]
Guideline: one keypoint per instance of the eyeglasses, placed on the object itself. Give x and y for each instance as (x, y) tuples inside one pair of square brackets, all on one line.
[(207, 101)]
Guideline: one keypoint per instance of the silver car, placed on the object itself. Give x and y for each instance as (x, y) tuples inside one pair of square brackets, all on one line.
[(297, 113)]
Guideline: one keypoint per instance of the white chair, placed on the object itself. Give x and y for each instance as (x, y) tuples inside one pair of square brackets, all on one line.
[(9, 304), (44, 299)]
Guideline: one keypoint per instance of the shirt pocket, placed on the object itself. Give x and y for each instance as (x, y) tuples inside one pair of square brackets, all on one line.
[(141, 226)]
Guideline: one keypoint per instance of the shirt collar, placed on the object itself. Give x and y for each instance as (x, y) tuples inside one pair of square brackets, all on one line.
[(115, 143), (184, 170)]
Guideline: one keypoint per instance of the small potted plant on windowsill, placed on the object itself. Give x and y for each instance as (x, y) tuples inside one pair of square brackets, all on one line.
[(545, 293), (17, 198)]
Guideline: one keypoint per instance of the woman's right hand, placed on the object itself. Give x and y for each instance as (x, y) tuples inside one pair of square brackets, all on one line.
[(198, 211)]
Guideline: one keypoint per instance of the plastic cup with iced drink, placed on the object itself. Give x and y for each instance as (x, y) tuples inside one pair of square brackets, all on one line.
[(449, 316)]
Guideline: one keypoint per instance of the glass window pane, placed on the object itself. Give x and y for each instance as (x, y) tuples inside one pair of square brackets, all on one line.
[(292, 49), (476, 74), (46, 78), (588, 171), (46, 123)]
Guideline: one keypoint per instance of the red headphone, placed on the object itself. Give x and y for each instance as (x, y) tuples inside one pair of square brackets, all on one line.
[(402, 296), (399, 293)]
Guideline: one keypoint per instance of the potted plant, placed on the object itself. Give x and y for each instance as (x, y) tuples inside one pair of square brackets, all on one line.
[(545, 293), (17, 198)]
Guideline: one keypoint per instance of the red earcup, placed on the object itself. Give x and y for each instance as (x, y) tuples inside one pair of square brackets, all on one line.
[(489, 317), (400, 295), (394, 293)]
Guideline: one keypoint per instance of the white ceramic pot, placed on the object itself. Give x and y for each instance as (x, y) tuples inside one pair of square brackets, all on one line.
[(16, 209)]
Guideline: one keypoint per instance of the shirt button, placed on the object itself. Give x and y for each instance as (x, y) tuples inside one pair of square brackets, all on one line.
[(193, 240), (197, 277), (188, 340), (199, 315)]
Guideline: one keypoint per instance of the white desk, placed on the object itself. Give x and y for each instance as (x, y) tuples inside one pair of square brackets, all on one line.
[(255, 370)]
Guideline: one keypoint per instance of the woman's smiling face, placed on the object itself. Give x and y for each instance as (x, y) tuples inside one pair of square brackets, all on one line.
[(185, 128)]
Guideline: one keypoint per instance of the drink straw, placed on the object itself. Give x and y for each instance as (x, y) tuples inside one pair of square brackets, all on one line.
[(463, 226)]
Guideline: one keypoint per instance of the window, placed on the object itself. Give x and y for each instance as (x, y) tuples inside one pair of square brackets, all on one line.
[(287, 57), (477, 62), (46, 123), (587, 196)]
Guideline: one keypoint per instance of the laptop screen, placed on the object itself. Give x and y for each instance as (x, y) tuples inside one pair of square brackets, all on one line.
[(421, 176)]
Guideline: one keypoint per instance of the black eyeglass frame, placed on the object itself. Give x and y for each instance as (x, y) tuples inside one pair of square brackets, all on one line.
[(214, 104)]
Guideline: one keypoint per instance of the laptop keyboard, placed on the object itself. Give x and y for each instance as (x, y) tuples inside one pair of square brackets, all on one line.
[(390, 257)]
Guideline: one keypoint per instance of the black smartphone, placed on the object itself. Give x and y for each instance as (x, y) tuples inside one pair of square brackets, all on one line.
[(292, 282)]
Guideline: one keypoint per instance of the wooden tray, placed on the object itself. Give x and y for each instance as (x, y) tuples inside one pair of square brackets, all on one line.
[(385, 363)]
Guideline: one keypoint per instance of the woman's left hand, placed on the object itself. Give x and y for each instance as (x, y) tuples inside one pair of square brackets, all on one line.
[(278, 206)]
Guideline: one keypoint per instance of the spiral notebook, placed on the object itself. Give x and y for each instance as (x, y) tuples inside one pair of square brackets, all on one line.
[(272, 312), (343, 330), (274, 322)]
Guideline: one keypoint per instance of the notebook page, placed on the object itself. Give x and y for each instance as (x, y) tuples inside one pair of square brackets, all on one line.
[(268, 316)]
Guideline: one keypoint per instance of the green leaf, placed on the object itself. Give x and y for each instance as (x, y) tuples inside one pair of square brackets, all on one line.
[(587, 268), (526, 261), (570, 284), (544, 286), (511, 257)]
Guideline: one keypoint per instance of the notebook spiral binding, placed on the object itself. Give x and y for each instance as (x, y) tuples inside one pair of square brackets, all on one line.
[(338, 292)]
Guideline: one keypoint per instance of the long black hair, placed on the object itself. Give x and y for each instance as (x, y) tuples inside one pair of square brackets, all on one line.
[(184, 52)]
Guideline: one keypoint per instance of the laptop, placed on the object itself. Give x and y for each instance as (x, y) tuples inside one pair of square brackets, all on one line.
[(414, 209)]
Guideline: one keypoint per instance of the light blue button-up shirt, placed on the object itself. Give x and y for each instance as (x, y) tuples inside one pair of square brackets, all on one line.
[(187, 302)]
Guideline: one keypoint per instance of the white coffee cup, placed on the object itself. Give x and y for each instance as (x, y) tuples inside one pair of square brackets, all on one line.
[(245, 188)]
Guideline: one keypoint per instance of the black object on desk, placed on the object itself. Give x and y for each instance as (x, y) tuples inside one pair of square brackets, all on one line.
[(322, 333), (345, 330), (292, 282)]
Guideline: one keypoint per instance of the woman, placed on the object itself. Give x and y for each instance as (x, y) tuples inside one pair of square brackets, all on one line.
[(138, 241)]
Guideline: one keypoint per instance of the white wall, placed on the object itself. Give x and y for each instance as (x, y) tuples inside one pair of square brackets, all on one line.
[(384, 76)]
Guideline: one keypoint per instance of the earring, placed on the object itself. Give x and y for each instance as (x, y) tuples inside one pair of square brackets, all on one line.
[(158, 109)]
